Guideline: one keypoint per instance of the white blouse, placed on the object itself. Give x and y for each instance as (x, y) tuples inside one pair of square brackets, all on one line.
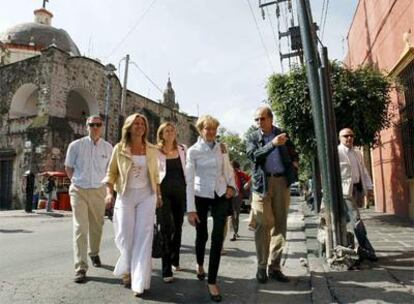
[(138, 173)]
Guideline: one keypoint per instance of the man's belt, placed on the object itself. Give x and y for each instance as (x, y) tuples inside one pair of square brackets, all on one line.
[(275, 174)]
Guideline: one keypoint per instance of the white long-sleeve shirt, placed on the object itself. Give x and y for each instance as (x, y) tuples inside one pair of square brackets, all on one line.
[(208, 172)]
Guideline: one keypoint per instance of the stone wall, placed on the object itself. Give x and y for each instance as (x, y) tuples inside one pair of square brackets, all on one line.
[(53, 75)]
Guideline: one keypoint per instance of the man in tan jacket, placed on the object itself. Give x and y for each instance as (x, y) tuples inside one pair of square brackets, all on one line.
[(356, 182)]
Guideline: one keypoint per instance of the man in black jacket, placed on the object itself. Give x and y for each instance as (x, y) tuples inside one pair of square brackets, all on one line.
[(275, 168)]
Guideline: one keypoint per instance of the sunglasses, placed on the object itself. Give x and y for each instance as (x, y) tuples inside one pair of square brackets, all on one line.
[(259, 118), (348, 135), (95, 124)]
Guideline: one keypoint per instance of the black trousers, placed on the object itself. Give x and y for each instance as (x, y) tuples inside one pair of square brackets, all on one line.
[(235, 214), (171, 216), (219, 208)]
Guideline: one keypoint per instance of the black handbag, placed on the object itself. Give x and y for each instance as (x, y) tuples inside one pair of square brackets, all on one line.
[(157, 241)]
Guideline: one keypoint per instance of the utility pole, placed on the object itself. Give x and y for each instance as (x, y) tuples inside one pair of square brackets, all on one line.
[(121, 116), (291, 32), (295, 50), (109, 73), (334, 177), (324, 124)]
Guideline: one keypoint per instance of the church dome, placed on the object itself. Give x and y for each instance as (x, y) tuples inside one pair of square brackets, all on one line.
[(39, 34)]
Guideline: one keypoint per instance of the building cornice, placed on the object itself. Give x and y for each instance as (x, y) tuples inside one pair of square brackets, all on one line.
[(403, 62)]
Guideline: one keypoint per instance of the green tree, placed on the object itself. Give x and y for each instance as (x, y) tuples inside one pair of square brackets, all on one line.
[(236, 146), (360, 98)]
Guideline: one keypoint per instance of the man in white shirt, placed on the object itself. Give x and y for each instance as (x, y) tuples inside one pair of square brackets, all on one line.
[(86, 162), (356, 183)]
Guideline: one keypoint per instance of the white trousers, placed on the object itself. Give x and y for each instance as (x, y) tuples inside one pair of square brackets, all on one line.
[(134, 217)]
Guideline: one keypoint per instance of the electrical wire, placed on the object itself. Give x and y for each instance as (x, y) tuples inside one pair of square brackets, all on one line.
[(138, 22), (285, 19), (260, 36), (273, 30), (146, 76), (324, 21), (322, 12)]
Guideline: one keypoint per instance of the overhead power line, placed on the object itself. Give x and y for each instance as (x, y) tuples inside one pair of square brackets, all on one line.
[(260, 36), (146, 76), (322, 12), (138, 22), (324, 19)]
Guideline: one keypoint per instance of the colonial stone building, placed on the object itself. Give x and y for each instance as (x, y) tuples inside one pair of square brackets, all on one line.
[(47, 89)]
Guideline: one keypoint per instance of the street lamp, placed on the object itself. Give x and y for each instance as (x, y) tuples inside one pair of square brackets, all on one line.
[(109, 73)]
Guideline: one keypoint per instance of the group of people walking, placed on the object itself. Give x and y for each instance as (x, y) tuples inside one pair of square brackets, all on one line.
[(145, 183)]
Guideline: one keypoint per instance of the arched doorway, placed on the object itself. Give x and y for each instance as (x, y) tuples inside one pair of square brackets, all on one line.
[(80, 104), (24, 101)]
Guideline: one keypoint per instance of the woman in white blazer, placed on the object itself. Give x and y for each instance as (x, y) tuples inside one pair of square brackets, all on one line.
[(210, 185), (171, 163)]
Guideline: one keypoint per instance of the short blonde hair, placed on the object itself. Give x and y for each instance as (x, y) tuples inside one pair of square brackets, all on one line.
[(160, 138), (126, 134), (206, 121)]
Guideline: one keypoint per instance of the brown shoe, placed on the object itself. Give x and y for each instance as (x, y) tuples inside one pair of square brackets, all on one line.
[(126, 280), (80, 277)]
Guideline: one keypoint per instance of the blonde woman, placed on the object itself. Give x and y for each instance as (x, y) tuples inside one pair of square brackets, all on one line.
[(172, 165), (133, 173), (210, 186)]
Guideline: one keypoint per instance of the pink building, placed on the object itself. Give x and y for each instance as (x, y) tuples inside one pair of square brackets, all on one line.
[(381, 33)]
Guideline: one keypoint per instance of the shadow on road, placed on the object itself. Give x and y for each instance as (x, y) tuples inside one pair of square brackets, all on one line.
[(15, 231), (115, 281)]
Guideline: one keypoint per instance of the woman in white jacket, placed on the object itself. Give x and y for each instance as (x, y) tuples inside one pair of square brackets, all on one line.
[(210, 185), (171, 162)]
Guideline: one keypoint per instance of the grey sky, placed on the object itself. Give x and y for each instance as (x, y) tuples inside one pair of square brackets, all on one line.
[(211, 48)]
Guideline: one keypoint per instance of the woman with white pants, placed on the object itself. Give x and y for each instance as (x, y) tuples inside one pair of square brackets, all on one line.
[(133, 173)]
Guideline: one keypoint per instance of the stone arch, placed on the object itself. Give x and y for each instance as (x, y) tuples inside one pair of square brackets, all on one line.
[(80, 103), (24, 101)]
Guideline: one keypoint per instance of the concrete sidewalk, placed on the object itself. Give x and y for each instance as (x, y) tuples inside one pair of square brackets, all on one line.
[(389, 280)]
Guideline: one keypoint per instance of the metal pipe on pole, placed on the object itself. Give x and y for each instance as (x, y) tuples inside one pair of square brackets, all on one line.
[(121, 116), (312, 65), (109, 72), (338, 204)]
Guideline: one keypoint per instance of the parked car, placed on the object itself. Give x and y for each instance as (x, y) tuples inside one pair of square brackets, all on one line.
[(294, 189)]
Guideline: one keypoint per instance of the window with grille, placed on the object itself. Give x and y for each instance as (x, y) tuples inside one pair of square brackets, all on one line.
[(407, 118)]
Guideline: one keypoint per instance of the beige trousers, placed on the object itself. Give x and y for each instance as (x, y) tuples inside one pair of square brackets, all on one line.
[(88, 209), (270, 213)]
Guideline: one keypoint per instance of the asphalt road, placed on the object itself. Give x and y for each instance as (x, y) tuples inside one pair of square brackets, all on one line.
[(36, 266)]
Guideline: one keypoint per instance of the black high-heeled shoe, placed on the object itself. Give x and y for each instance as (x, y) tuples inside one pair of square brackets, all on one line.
[(214, 298), (201, 276)]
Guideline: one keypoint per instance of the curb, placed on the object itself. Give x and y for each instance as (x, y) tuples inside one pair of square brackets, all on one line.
[(321, 292)]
